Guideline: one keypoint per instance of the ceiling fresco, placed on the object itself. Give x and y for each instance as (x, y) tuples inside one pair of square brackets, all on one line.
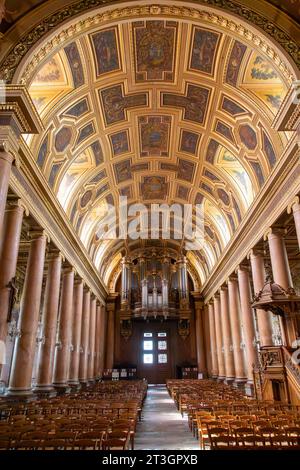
[(158, 111)]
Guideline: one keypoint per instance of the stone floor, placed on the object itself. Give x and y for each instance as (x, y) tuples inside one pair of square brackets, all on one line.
[(162, 426)]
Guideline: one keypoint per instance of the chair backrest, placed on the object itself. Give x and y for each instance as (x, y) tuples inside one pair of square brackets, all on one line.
[(223, 442), (110, 444), (244, 431), (82, 444)]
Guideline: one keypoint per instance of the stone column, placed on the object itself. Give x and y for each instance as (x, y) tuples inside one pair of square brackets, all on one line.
[(279, 258), (76, 332), (49, 324), (248, 321), (62, 353), (233, 296), (212, 333), (282, 277), (200, 345), (264, 322), (91, 361), (219, 338), (110, 335), (8, 261), (295, 208), (207, 342), (103, 328), (6, 161), (226, 333), (97, 341), (23, 359), (83, 362)]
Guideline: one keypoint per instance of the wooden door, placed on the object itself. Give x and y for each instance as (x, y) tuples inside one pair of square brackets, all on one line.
[(155, 362)]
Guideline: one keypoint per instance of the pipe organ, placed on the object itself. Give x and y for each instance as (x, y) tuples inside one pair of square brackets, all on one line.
[(154, 285)]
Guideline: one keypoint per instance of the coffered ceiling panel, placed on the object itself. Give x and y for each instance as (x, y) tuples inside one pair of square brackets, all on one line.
[(157, 110)]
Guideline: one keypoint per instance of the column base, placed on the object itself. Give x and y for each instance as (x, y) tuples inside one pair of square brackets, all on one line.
[(47, 391), (229, 380), (239, 383), (62, 389), (83, 384), (20, 394), (221, 378), (249, 388), (75, 385)]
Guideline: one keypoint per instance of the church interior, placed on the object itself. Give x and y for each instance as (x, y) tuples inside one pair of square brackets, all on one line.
[(114, 335)]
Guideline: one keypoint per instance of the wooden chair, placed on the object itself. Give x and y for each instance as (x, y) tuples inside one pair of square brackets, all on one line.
[(114, 444), (223, 443), (86, 444)]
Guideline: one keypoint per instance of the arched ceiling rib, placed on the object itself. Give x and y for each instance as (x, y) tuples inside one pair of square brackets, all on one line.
[(158, 110)]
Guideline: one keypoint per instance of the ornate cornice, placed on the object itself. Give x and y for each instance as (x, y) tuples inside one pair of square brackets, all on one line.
[(16, 54)]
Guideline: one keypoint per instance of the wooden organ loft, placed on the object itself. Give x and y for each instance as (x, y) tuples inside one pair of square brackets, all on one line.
[(155, 286)]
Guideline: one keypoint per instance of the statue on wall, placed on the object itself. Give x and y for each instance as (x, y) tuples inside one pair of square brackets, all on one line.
[(12, 297)]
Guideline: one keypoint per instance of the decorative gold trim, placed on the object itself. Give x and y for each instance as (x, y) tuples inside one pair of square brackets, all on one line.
[(20, 50)]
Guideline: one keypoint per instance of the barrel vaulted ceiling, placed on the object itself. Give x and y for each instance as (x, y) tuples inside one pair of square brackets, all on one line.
[(159, 110)]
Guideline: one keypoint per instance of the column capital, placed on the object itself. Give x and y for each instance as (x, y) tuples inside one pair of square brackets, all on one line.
[(255, 252), (216, 295), (223, 288), (197, 295), (68, 269), (232, 278), (36, 233), (78, 281), (242, 268), (55, 253), (276, 231), (294, 205), (15, 202), (86, 288)]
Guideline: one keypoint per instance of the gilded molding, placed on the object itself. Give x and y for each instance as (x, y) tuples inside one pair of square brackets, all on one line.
[(13, 59)]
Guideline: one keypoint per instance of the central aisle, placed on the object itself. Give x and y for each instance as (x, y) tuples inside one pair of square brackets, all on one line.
[(163, 427)]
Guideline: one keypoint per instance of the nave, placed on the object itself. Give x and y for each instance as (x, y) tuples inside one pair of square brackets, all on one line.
[(162, 426)]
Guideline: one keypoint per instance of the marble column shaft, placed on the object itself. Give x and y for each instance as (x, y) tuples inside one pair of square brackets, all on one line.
[(91, 361), (212, 333), (201, 357), (247, 320), (279, 260), (6, 161), (62, 353), (103, 327), (263, 318), (83, 362), (296, 214), (97, 341), (110, 337), (49, 323), (233, 297), (219, 338), (76, 332), (24, 352), (226, 334), (8, 261)]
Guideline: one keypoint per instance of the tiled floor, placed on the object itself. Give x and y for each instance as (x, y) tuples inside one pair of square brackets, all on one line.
[(162, 426)]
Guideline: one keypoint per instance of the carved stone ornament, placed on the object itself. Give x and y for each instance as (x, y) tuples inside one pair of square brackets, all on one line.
[(126, 329), (184, 328)]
